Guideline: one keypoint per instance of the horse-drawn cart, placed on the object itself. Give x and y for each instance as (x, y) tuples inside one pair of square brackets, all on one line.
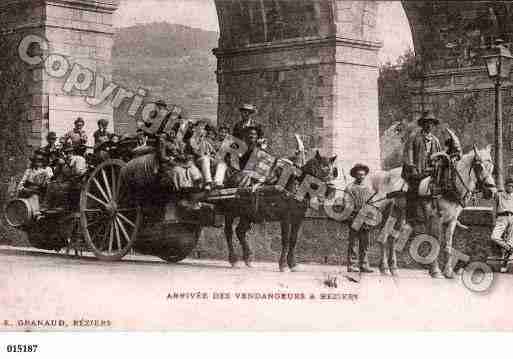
[(121, 206)]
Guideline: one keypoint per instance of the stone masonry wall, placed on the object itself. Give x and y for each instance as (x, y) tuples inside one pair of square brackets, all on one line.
[(31, 102), (83, 33), (21, 115)]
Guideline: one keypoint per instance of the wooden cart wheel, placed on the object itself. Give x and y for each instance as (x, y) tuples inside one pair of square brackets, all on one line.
[(109, 217)]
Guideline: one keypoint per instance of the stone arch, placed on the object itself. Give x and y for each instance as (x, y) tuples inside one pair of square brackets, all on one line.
[(322, 52), (318, 79)]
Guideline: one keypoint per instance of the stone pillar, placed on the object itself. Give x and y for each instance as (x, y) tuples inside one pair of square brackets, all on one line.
[(355, 130), (81, 31), (308, 68)]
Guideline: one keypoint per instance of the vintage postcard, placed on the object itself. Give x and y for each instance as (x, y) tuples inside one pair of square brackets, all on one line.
[(263, 165)]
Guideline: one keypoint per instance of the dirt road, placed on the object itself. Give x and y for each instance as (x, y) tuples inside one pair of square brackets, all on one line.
[(44, 291)]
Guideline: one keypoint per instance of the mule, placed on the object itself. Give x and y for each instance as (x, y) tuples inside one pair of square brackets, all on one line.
[(290, 214)]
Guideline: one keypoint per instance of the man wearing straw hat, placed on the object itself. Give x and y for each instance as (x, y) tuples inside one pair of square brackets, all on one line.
[(418, 160), (246, 112), (360, 194)]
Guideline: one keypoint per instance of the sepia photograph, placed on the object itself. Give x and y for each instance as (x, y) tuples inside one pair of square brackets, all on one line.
[(255, 165)]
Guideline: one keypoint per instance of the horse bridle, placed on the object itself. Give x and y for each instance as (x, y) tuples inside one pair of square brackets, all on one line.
[(481, 184)]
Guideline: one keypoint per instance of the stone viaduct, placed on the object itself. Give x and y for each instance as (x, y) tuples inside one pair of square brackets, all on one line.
[(309, 65)]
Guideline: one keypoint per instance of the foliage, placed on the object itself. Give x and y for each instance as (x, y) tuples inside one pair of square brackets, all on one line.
[(394, 94), (395, 106)]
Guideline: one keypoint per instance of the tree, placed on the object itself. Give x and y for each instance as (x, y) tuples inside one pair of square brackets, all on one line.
[(395, 106)]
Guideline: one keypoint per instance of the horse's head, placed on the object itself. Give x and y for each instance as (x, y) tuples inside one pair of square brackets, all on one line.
[(322, 167), (482, 166)]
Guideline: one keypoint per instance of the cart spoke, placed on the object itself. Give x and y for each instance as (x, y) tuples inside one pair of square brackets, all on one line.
[(111, 238), (114, 187), (119, 185), (105, 234), (123, 230), (118, 238), (107, 185), (126, 219), (90, 195), (101, 189)]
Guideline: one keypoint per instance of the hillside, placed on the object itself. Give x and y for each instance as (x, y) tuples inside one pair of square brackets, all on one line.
[(173, 62)]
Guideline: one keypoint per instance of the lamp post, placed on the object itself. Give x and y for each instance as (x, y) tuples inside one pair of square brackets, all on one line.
[(498, 65)]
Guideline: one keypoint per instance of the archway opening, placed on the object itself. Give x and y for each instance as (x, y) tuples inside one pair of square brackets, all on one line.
[(169, 52)]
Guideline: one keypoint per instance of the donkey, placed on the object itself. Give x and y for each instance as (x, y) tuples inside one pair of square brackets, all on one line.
[(290, 214), (473, 172)]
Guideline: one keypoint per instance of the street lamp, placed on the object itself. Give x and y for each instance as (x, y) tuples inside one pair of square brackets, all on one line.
[(498, 65)]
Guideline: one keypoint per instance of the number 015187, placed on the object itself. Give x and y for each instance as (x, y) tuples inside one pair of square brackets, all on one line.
[(22, 348)]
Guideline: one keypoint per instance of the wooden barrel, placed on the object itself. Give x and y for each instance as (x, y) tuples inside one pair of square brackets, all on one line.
[(142, 170), (171, 242), (20, 211)]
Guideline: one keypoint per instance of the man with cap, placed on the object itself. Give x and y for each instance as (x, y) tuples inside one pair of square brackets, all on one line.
[(360, 193), (418, 162), (77, 137), (52, 150)]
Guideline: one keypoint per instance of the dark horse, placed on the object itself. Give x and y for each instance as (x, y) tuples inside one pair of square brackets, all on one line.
[(290, 212)]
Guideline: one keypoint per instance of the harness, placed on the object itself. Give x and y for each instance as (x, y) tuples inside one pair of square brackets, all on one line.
[(469, 195)]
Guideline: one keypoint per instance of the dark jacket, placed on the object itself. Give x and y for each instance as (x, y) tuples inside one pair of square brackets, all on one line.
[(416, 154)]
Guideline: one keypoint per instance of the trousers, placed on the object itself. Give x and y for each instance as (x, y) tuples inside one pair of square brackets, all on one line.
[(206, 163), (184, 177), (362, 238)]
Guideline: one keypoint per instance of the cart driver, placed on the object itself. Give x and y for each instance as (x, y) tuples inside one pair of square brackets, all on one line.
[(241, 128)]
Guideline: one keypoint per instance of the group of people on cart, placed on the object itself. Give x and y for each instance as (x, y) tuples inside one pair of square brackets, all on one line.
[(188, 151), (60, 165), (187, 155)]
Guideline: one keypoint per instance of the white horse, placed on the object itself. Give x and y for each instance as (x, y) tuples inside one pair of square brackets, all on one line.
[(473, 172)]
